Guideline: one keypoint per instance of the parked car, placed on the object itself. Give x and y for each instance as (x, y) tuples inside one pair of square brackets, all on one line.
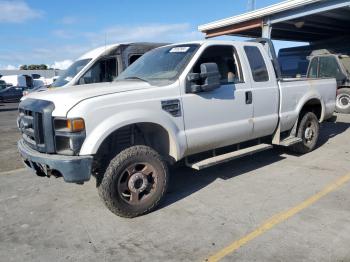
[(102, 64), (324, 63), (174, 102), (11, 94), (14, 87)]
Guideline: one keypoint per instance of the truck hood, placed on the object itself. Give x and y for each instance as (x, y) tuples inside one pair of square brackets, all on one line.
[(65, 98)]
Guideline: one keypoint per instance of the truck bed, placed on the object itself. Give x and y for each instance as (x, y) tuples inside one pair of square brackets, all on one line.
[(294, 92)]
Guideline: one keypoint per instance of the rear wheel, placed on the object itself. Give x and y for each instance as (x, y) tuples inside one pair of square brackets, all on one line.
[(343, 101), (134, 182), (308, 131)]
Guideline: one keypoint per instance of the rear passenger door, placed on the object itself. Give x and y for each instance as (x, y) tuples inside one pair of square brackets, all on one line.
[(264, 91)]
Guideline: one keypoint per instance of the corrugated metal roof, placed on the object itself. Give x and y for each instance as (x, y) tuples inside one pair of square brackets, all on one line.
[(273, 9), (296, 20)]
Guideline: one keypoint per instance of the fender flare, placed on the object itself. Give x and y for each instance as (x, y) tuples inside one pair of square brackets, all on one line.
[(307, 99), (95, 138)]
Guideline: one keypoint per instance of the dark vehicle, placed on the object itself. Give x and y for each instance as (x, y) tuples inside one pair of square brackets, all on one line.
[(294, 60), (13, 86), (10, 93), (325, 64)]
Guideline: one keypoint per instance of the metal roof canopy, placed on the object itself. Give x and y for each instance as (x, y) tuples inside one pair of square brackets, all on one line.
[(294, 20)]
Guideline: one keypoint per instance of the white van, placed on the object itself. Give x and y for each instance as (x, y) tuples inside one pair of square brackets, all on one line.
[(103, 64)]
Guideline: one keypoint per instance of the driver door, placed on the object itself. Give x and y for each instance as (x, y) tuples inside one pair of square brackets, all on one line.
[(223, 116)]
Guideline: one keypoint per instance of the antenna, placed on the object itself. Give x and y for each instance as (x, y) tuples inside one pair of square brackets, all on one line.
[(105, 42), (251, 5)]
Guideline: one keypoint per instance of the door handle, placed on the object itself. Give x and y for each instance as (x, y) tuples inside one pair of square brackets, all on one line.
[(248, 97)]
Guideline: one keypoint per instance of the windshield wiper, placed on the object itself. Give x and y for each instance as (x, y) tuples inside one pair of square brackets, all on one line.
[(135, 77)]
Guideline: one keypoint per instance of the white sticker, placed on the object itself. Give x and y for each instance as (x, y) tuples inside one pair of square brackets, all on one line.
[(179, 49)]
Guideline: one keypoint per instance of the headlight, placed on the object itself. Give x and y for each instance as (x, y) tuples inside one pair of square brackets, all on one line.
[(70, 125), (69, 135)]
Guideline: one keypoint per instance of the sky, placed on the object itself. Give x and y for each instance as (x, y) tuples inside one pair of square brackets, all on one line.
[(57, 32)]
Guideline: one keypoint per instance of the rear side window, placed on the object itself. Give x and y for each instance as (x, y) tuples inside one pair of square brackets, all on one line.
[(313, 68), (257, 64)]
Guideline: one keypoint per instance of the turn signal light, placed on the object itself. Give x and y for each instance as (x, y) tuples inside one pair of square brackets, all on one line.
[(75, 125)]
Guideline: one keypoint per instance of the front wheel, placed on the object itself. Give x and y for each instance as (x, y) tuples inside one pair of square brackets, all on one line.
[(308, 131), (135, 182), (343, 101)]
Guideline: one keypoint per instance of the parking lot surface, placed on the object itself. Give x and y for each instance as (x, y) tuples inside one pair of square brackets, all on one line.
[(204, 212)]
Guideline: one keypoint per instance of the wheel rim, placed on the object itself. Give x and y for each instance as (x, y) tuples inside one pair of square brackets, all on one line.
[(343, 101), (137, 183), (310, 132)]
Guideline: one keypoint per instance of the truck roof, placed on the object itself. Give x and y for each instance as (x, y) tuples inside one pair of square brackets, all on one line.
[(218, 42), (99, 51)]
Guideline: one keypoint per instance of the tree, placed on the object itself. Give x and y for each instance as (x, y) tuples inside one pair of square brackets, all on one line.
[(31, 67), (43, 67), (34, 67)]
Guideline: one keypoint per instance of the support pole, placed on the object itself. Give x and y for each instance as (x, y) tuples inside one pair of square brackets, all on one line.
[(266, 29)]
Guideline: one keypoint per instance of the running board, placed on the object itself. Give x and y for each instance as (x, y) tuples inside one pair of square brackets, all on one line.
[(289, 141), (228, 156)]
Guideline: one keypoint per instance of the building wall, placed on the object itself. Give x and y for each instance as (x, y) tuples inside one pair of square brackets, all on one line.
[(43, 73)]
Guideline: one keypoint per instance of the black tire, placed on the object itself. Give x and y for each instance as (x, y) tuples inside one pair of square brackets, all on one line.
[(343, 101), (135, 182), (308, 131)]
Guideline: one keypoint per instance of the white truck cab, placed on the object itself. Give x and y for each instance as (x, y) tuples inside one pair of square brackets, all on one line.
[(102, 64), (175, 102)]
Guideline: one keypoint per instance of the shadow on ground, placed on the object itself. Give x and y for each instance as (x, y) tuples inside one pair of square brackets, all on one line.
[(185, 181), (4, 107)]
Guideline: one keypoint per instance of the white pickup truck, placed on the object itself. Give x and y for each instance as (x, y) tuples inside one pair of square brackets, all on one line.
[(174, 102)]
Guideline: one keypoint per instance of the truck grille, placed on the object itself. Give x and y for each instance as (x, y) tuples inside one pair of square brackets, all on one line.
[(35, 124)]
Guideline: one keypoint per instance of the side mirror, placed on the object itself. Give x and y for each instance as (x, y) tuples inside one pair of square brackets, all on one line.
[(207, 80)]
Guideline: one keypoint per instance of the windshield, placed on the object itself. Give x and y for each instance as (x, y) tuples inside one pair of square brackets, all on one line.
[(346, 63), (160, 66), (71, 72)]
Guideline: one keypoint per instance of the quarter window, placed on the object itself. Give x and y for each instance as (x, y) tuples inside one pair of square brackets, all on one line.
[(257, 64)]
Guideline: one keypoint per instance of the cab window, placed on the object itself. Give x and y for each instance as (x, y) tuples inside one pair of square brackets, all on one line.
[(104, 70), (328, 67), (133, 58), (225, 58)]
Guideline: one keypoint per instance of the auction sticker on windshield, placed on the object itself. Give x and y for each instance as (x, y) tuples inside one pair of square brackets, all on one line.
[(179, 49)]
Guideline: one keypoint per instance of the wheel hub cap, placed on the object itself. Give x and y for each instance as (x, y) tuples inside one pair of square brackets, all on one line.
[(137, 183), (343, 101), (309, 133)]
